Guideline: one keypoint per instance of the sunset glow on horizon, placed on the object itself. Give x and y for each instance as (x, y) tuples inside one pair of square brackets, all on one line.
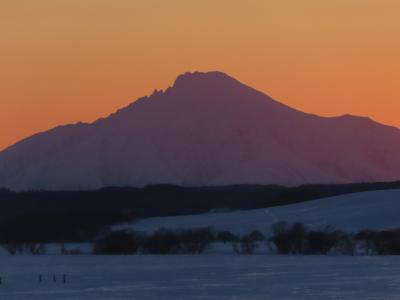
[(64, 61)]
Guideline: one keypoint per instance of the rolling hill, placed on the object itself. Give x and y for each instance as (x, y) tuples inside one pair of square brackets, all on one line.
[(350, 212)]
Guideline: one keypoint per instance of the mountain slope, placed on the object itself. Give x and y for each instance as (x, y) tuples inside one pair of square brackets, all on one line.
[(207, 129)]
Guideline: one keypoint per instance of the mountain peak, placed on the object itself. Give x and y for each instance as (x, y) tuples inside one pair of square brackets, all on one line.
[(211, 78), (207, 129)]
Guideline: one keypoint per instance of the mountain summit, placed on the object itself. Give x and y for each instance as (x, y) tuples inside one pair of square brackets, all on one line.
[(207, 129)]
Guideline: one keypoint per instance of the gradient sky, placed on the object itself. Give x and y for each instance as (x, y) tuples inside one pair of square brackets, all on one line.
[(65, 61)]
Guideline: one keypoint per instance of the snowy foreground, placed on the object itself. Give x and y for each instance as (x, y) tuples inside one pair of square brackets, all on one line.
[(215, 276), (351, 212), (200, 277)]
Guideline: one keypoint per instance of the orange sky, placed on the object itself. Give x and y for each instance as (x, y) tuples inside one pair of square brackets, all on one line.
[(63, 61)]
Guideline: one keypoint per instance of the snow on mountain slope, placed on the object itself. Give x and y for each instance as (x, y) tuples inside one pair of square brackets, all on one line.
[(351, 212), (207, 129)]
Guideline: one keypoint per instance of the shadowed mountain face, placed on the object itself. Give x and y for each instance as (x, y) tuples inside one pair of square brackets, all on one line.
[(207, 129)]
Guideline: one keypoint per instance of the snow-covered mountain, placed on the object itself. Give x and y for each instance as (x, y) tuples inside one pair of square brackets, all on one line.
[(207, 129)]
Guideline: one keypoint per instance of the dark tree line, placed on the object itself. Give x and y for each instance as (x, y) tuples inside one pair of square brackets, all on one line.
[(384, 242), (247, 243), (284, 239), (167, 241), (163, 241), (293, 239), (297, 239)]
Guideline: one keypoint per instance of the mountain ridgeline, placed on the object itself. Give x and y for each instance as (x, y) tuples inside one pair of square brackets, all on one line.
[(208, 129)]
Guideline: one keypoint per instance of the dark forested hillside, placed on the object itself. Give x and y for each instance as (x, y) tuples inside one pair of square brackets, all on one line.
[(161, 200), (43, 216)]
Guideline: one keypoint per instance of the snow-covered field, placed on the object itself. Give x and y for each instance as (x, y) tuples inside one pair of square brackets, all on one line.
[(215, 276), (351, 212), (200, 277)]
